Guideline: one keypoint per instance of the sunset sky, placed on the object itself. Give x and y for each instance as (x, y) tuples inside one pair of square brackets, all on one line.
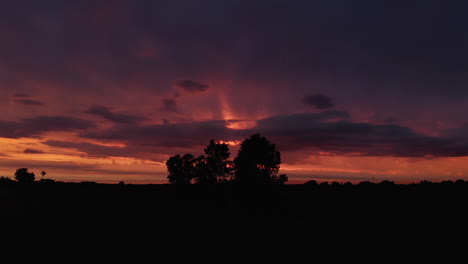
[(347, 90)]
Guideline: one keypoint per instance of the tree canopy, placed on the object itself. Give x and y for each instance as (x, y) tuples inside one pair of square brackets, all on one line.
[(217, 160), (181, 169), (212, 168), (24, 176), (257, 162)]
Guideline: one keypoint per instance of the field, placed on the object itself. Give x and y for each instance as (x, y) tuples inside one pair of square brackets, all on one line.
[(135, 223)]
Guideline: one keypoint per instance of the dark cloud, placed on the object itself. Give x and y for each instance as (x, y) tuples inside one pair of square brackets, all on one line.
[(365, 48), (183, 135), (304, 131), (378, 118), (318, 101), (389, 120), (169, 105), (460, 134), (29, 102), (25, 99), (22, 95), (328, 131), (106, 113), (33, 151), (304, 120), (33, 127), (192, 86), (92, 150)]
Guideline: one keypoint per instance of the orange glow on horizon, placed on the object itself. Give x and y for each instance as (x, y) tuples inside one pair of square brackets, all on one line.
[(71, 164), (398, 169)]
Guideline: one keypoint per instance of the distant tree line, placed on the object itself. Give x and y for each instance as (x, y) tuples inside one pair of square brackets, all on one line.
[(24, 176), (257, 162), (383, 185)]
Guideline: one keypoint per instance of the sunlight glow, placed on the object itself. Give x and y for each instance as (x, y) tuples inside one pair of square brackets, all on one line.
[(242, 124), (233, 121), (230, 142)]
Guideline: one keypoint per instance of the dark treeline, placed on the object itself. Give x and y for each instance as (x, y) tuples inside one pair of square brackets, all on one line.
[(219, 173), (116, 223), (24, 176)]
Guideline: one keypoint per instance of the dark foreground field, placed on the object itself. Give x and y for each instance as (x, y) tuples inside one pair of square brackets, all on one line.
[(150, 223)]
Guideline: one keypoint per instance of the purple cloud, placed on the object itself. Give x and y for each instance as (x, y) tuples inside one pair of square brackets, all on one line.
[(318, 101), (192, 86), (169, 105), (33, 127), (29, 102), (106, 113)]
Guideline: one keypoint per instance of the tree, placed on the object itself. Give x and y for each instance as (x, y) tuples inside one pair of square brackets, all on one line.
[(4, 179), (23, 176), (212, 168), (43, 173), (258, 162), (283, 178), (181, 169), (217, 161), (312, 183), (202, 173)]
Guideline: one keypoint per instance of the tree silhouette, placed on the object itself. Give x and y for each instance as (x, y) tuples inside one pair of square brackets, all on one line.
[(258, 162), (43, 173), (181, 169), (202, 173), (217, 161), (4, 179), (312, 183), (283, 178), (23, 176)]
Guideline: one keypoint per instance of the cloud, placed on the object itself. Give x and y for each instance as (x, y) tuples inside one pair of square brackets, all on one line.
[(303, 121), (33, 127), (192, 86), (389, 120), (318, 101), (379, 118), (348, 54), (329, 131), (169, 105), (100, 151), (312, 131), (106, 113), (22, 95), (33, 151), (93, 150), (28, 102), (25, 99), (183, 135)]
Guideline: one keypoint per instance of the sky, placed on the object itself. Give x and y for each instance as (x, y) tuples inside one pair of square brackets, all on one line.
[(107, 91)]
